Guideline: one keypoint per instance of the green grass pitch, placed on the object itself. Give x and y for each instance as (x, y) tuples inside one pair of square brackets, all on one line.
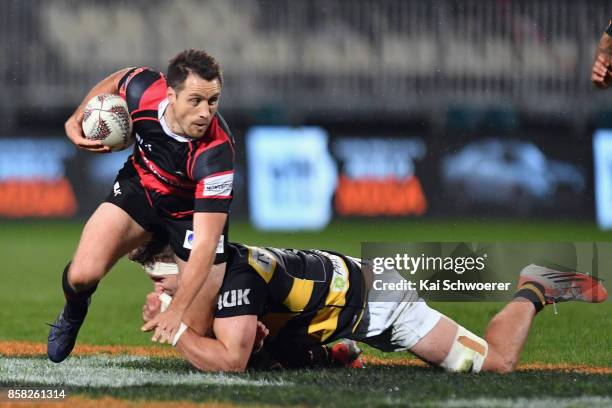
[(36, 252)]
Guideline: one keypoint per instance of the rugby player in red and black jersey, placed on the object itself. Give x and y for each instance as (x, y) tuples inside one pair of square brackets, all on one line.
[(177, 182)]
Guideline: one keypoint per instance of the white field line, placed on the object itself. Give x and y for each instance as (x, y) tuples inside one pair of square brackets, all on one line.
[(547, 402), (106, 371)]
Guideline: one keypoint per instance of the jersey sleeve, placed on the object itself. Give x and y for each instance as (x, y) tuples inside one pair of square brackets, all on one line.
[(243, 293), (142, 85), (213, 171)]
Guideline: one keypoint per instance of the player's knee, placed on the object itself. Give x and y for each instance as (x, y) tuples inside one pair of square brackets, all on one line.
[(467, 353), (83, 275), (81, 282)]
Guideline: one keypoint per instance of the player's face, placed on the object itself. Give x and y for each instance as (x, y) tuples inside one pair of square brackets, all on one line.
[(194, 105), (165, 283)]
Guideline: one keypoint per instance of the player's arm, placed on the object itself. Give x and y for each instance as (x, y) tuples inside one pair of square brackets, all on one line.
[(601, 74), (229, 351), (73, 125), (213, 171), (234, 326), (207, 229), (153, 306)]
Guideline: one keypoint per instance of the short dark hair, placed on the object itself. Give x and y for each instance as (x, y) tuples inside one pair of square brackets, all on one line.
[(195, 61)]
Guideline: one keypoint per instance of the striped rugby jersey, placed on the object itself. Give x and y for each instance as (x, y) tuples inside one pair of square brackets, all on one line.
[(180, 175), (302, 296)]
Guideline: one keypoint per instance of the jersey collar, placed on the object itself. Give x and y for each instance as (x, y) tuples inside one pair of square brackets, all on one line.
[(162, 121)]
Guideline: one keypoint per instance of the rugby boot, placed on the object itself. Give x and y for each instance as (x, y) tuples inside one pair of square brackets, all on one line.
[(63, 334), (346, 353), (564, 286)]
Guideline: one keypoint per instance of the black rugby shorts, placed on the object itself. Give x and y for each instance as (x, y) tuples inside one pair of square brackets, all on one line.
[(129, 195)]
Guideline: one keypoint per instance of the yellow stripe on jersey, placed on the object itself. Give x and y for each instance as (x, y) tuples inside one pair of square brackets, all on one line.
[(358, 320), (298, 297), (325, 322), (263, 261)]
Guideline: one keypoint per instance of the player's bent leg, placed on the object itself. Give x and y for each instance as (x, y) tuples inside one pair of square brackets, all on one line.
[(425, 332), (440, 341), (454, 348), (109, 234)]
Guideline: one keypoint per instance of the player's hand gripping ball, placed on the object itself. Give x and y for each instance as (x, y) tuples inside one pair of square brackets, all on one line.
[(106, 118)]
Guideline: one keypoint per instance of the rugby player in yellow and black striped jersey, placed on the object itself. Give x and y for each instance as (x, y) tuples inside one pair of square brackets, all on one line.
[(308, 298), (303, 295)]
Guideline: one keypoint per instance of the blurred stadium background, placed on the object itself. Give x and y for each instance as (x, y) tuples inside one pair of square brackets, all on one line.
[(341, 109)]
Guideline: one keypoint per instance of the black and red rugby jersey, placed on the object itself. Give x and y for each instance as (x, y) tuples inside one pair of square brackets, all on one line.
[(179, 174)]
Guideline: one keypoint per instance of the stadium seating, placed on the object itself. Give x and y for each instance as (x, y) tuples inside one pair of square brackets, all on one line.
[(517, 51)]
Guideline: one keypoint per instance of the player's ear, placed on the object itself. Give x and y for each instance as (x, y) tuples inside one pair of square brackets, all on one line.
[(171, 94)]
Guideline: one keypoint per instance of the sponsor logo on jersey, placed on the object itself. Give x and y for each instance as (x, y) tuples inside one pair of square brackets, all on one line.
[(116, 189), (234, 297), (340, 277), (218, 185), (263, 261), (188, 242)]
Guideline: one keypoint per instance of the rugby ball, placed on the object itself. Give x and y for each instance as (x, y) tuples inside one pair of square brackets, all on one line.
[(106, 118)]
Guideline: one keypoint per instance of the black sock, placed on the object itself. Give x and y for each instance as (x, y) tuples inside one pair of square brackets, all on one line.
[(76, 302), (533, 292)]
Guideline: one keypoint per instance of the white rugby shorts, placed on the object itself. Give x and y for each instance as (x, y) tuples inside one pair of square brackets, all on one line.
[(397, 324)]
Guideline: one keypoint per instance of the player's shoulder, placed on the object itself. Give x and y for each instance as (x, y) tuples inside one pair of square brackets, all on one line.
[(237, 260), (139, 76), (142, 86), (240, 276), (248, 263)]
